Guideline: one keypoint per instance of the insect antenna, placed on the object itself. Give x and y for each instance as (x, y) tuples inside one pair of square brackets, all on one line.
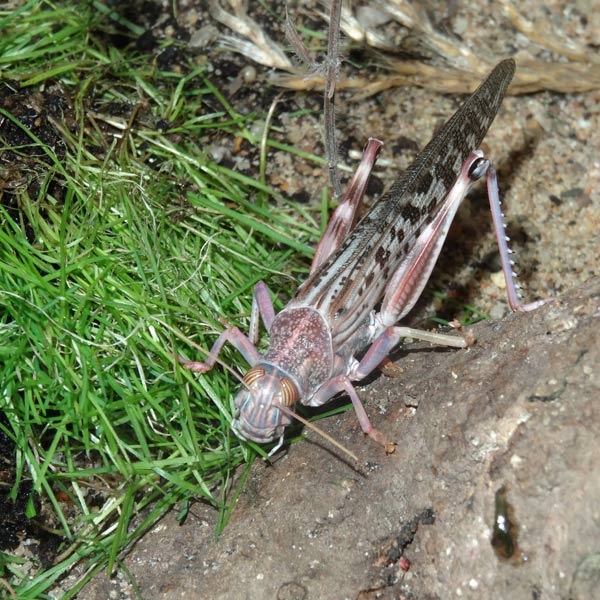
[(338, 445)]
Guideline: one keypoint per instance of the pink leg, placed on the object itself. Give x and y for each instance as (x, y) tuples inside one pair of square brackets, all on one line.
[(408, 281), (237, 339), (507, 264), (341, 383), (373, 357), (390, 337), (261, 305), (344, 216)]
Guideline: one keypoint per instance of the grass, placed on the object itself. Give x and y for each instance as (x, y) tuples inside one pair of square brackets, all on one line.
[(465, 314), (121, 247)]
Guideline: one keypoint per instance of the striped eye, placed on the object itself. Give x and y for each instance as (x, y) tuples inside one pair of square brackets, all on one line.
[(253, 375), (289, 392)]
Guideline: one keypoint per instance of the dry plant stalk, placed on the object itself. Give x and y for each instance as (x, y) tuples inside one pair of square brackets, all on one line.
[(451, 67)]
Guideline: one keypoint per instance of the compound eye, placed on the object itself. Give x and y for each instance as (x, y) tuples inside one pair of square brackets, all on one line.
[(289, 392), (478, 168), (253, 375)]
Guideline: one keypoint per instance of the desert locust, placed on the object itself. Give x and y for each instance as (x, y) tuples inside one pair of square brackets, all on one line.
[(342, 321)]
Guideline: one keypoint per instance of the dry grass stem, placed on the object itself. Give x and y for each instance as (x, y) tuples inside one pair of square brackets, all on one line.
[(440, 62)]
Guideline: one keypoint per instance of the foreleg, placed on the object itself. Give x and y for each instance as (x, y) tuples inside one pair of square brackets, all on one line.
[(374, 355), (342, 383), (261, 307)]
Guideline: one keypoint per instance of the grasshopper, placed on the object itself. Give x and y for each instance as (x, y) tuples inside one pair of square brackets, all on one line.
[(330, 333)]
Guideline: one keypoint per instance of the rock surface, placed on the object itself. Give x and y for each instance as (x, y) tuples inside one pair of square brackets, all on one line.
[(506, 429)]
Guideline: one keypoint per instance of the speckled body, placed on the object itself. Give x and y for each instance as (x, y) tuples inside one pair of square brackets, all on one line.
[(301, 346), (331, 318)]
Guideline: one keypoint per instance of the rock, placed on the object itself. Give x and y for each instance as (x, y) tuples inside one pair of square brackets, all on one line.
[(518, 410)]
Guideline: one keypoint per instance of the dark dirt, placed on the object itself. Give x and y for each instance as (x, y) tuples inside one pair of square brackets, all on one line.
[(517, 412)]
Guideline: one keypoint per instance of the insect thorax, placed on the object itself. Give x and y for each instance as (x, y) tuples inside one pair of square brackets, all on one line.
[(300, 346)]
